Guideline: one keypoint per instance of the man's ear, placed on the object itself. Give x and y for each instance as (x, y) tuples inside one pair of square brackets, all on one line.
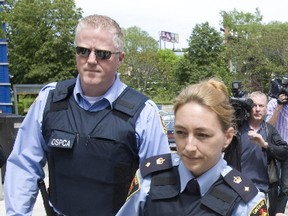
[(121, 56)]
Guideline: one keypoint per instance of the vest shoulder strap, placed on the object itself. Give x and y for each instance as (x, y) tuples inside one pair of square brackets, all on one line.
[(165, 184), (64, 89), (130, 101), (221, 198), (56, 98)]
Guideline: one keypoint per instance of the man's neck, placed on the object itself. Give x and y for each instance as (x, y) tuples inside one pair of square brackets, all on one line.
[(255, 125)]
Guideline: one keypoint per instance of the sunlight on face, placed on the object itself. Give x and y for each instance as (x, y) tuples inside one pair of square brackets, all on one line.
[(96, 73), (259, 109), (199, 137)]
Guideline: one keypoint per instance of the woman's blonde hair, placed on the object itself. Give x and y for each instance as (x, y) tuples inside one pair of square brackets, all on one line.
[(212, 93)]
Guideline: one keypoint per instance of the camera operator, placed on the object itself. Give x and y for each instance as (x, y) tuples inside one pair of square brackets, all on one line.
[(276, 109), (259, 144), (277, 115)]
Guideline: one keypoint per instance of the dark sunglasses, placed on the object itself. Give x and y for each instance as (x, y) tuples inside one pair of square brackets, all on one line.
[(100, 54)]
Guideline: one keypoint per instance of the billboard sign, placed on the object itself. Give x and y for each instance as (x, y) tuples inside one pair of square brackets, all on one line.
[(169, 37)]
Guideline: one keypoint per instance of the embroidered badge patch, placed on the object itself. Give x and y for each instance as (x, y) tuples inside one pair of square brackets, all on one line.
[(134, 187), (260, 209)]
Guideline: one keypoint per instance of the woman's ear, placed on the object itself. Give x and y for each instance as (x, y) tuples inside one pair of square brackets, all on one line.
[(228, 137)]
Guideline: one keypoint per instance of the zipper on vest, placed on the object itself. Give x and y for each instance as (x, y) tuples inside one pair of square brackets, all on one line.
[(77, 138)]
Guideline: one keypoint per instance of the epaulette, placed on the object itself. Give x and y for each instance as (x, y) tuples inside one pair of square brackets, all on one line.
[(63, 89), (130, 102), (242, 185), (156, 163)]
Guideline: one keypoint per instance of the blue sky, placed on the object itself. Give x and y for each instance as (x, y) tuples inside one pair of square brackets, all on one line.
[(154, 16)]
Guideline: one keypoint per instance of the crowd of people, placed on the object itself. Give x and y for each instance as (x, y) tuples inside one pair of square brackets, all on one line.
[(260, 147), (107, 151)]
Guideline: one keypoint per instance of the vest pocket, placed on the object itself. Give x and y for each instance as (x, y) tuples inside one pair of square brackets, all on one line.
[(62, 140)]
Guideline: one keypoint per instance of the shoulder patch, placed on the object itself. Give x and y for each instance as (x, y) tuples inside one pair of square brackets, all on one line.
[(134, 187), (156, 163), (163, 124), (242, 185), (260, 209)]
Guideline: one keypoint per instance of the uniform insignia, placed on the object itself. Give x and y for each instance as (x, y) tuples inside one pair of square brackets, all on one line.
[(242, 185), (237, 179), (147, 164), (260, 209), (156, 163), (160, 161), (134, 186), (62, 140), (163, 124)]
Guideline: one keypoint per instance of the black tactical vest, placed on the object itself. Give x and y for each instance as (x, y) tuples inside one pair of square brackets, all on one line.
[(92, 156), (165, 197)]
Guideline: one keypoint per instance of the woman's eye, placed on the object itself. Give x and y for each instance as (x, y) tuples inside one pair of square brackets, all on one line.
[(179, 132), (203, 135)]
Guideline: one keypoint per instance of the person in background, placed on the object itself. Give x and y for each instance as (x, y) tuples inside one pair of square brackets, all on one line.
[(261, 145), (93, 131), (197, 180), (277, 115)]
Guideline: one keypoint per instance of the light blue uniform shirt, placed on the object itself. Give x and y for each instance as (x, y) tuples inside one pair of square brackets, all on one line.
[(25, 164), (282, 121), (135, 204)]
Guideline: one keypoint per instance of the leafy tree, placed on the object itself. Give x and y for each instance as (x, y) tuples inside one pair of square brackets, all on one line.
[(165, 87), (274, 44), (204, 56), (140, 65), (40, 39), (236, 21), (241, 45), (256, 51), (148, 68)]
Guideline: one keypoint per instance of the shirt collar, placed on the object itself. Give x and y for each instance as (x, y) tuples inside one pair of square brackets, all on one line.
[(110, 95), (206, 180), (246, 126)]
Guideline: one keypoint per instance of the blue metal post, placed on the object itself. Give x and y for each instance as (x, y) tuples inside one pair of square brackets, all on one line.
[(5, 85)]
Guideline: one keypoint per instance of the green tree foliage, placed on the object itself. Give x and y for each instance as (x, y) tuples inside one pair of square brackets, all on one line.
[(148, 68), (40, 39), (241, 46), (256, 52), (204, 56), (41, 33), (140, 64), (165, 87), (273, 43), (236, 20)]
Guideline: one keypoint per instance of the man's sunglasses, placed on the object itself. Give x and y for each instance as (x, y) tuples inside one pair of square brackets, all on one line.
[(100, 54)]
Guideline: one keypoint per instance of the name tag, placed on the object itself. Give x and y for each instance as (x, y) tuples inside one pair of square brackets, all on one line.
[(60, 139)]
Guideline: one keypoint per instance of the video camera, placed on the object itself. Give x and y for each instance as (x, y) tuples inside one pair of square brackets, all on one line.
[(241, 105), (279, 85)]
